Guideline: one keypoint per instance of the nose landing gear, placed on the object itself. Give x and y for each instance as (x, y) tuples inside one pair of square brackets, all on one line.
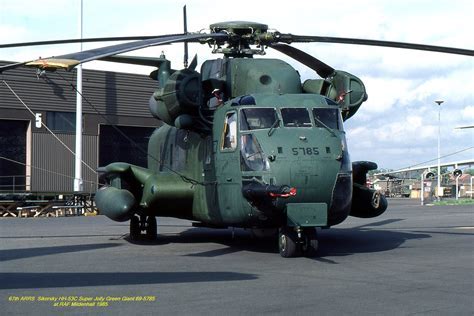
[(297, 241)]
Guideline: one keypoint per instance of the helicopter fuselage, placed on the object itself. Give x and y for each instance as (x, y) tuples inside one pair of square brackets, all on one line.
[(278, 141)]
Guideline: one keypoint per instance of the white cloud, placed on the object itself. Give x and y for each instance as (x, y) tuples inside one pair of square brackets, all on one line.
[(468, 112)]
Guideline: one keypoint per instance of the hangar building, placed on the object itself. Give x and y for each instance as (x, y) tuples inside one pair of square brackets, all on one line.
[(34, 160)]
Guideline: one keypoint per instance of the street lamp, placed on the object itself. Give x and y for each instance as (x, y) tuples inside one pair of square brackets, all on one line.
[(439, 155), (78, 185)]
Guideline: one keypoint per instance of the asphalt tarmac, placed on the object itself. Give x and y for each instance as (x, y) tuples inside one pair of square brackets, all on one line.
[(412, 260)]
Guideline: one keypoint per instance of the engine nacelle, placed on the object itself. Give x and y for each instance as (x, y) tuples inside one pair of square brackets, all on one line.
[(342, 87), (116, 204), (180, 95), (367, 203)]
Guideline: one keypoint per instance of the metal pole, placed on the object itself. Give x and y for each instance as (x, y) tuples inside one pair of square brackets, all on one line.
[(471, 185), (78, 157), (457, 183), (439, 151), (421, 187)]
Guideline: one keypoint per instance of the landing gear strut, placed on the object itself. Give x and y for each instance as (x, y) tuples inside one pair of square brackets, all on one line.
[(296, 241), (141, 224), (310, 244)]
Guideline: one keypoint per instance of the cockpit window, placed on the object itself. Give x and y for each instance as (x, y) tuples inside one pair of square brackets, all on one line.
[(329, 117), (257, 118), (295, 117), (229, 134), (252, 157)]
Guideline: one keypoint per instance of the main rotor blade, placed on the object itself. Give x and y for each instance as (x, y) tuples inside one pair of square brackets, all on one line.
[(194, 63), (289, 38), (12, 66), (321, 68), (134, 60), (83, 40), (69, 61)]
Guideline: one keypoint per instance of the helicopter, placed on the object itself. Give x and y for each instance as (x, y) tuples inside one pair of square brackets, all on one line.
[(244, 142)]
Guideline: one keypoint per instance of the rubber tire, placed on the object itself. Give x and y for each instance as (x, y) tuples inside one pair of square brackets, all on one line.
[(135, 233), (310, 246), (287, 243), (151, 228)]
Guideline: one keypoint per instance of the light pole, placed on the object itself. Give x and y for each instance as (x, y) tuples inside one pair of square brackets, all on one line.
[(439, 154), (78, 157)]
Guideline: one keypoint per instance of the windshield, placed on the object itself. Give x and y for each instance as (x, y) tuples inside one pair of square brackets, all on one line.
[(257, 118), (329, 117), (295, 117)]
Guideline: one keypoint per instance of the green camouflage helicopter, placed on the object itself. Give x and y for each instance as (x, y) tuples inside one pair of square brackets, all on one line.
[(245, 143)]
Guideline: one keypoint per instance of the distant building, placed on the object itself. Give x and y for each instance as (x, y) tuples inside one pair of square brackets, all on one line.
[(465, 188), (32, 159)]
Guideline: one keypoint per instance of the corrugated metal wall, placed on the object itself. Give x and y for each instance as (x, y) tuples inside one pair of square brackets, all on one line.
[(109, 92), (54, 165)]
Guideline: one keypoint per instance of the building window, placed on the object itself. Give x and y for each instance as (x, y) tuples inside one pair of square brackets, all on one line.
[(62, 122)]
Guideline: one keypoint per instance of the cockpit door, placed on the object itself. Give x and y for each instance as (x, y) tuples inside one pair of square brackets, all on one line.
[(228, 174)]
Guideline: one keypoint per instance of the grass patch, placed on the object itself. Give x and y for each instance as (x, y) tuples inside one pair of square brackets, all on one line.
[(455, 202)]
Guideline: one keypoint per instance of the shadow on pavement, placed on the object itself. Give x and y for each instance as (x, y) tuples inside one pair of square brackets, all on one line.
[(63, 280), (332, 242), (14, 254)]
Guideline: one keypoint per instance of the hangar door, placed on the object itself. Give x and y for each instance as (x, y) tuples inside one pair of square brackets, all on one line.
[(124, 144), (13, 152)]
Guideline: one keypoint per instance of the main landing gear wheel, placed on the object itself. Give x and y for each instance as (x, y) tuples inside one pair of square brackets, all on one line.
[(287, 242), (135, 232), (151, 228), (139, 224)]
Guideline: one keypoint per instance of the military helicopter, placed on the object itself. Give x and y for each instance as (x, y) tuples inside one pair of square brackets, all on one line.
[(244, 143)]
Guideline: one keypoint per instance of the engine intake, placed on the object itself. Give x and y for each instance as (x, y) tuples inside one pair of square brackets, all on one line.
[(180, 95)]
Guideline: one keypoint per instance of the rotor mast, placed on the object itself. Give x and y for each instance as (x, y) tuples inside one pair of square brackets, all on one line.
[(185, 24)]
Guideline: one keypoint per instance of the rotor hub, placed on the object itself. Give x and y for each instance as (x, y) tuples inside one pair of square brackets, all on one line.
[(241, 28), (242, 34)]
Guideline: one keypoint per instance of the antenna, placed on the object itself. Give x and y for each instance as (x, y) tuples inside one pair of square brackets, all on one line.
[(185, 21)]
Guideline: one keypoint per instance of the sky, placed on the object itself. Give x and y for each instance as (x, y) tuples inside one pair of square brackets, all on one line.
[(397, 126)]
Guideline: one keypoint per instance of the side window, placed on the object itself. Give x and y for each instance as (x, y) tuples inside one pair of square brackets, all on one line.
[(229, 134)]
